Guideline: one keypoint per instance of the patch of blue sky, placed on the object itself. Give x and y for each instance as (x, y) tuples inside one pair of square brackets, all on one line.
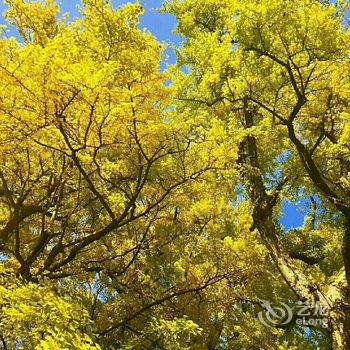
[(284, 156), (161, 25), (294, 214), (3, 257)]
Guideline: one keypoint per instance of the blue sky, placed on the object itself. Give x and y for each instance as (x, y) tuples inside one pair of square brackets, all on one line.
[(162, 26)]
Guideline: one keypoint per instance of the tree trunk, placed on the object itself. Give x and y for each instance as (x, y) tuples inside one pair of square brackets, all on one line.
[(339, 329)]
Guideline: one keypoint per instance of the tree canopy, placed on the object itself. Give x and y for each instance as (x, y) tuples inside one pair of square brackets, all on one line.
[(140, 208)]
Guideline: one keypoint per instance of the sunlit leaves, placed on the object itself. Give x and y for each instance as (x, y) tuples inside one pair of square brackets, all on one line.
[(36, 317)]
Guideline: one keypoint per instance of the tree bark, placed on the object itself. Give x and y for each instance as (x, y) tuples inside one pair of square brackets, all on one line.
[(338, 327), (346, 301), (338, 301)]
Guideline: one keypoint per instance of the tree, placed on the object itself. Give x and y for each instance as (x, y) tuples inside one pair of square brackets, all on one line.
[(276, 73), (112, 205), (140, 209)]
